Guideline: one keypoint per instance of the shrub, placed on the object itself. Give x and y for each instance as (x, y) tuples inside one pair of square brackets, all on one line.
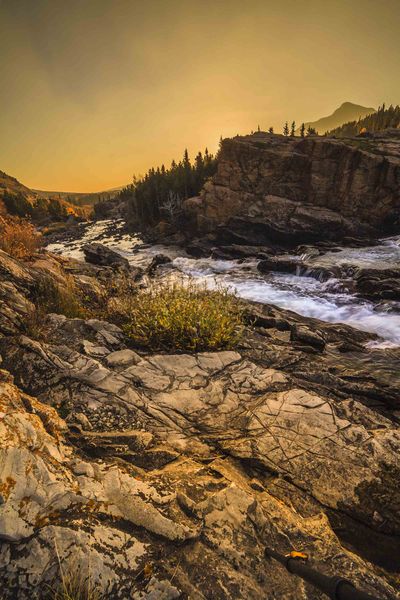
[(17, 204), (18, 237), (50, 297), (184, 317)]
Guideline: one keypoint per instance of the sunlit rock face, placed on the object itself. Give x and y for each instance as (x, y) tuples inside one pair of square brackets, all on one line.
[(289, 189)]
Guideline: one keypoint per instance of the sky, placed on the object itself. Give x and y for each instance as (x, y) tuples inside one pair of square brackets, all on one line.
[(95, 91)]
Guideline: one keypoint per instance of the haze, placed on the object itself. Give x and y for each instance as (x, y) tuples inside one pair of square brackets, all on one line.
[(94, 91)]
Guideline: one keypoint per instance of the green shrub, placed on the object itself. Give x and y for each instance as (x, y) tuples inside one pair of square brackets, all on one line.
[(183, 317)]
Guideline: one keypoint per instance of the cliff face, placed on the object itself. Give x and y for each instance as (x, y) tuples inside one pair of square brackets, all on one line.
[(272, 188)]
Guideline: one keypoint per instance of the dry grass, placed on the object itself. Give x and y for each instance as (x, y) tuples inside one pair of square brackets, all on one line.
[(184, 318), (50, 297), (118, 301), (18, 237), (75, 582), (34, 323), (75, 585)]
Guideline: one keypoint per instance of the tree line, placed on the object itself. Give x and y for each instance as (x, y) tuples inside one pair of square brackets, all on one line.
[(159, 194), (383, 118), (291, 131)]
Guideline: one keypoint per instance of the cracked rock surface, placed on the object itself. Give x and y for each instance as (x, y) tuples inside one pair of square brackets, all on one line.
[(166, 475)]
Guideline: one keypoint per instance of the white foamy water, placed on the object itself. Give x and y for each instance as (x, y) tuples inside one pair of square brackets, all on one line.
[(328, 301), (304, 295), (385, 255), (97, 232)]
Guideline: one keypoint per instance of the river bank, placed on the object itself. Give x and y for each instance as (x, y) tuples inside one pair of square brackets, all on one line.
[(321, 284)]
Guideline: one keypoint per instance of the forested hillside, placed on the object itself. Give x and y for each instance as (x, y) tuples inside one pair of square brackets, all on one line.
[(160, 193), (384, 118), (20, 201)]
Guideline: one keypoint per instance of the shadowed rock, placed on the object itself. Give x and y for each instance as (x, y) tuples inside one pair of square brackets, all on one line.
[(98, 254)]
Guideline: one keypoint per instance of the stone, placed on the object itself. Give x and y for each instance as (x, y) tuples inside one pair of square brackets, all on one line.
[(179, 468), (305, 335), (157, 261), (122, 358), (98, 254)]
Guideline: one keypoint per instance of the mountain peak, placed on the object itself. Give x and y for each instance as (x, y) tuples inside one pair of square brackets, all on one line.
[(347, 111)]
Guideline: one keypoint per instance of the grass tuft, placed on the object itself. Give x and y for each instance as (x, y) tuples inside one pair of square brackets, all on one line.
[(183, 317), (75, 582), (51, 297)]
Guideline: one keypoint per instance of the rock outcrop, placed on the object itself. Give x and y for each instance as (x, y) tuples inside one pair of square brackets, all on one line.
[(99, 254), (288, 190), (168, 473)]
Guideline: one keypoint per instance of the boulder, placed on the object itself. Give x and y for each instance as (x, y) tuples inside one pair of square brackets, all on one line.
[(378, 284), (98, 254), (304, 335), (157, 261)]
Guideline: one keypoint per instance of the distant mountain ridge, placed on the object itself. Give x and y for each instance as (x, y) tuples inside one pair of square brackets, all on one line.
[(80, 198), (19, 200), (383, 120), (345, 113)]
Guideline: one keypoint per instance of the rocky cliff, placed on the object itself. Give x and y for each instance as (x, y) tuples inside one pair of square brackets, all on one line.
[(168, 473), (271, 188)]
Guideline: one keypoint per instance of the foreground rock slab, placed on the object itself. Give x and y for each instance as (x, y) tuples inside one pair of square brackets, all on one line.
[(57, 508)]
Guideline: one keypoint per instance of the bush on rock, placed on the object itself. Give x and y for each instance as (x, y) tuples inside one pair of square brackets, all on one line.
[(184, 317)]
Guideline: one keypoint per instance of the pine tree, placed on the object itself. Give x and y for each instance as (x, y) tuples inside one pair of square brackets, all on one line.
[(258, 128), (293, 129), (271, 130), (160, 192), (302, 130), (286, 129)]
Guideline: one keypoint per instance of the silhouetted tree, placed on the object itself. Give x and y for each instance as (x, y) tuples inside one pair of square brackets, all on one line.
[(311, 131), (293, 129), (302, 130), (286, 129), (271, 130)]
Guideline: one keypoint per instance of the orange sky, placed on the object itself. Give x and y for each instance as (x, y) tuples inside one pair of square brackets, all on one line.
[(94, 91)]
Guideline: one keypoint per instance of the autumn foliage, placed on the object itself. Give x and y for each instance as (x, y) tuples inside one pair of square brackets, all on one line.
[(18, 237)]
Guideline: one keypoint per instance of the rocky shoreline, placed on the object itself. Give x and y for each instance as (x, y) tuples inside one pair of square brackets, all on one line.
[(169, 473)]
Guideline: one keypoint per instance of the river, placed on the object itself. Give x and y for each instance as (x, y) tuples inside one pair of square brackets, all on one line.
[(330, 300)]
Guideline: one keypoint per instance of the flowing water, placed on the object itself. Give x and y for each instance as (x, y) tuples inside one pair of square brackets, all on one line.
[(329, 300)]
